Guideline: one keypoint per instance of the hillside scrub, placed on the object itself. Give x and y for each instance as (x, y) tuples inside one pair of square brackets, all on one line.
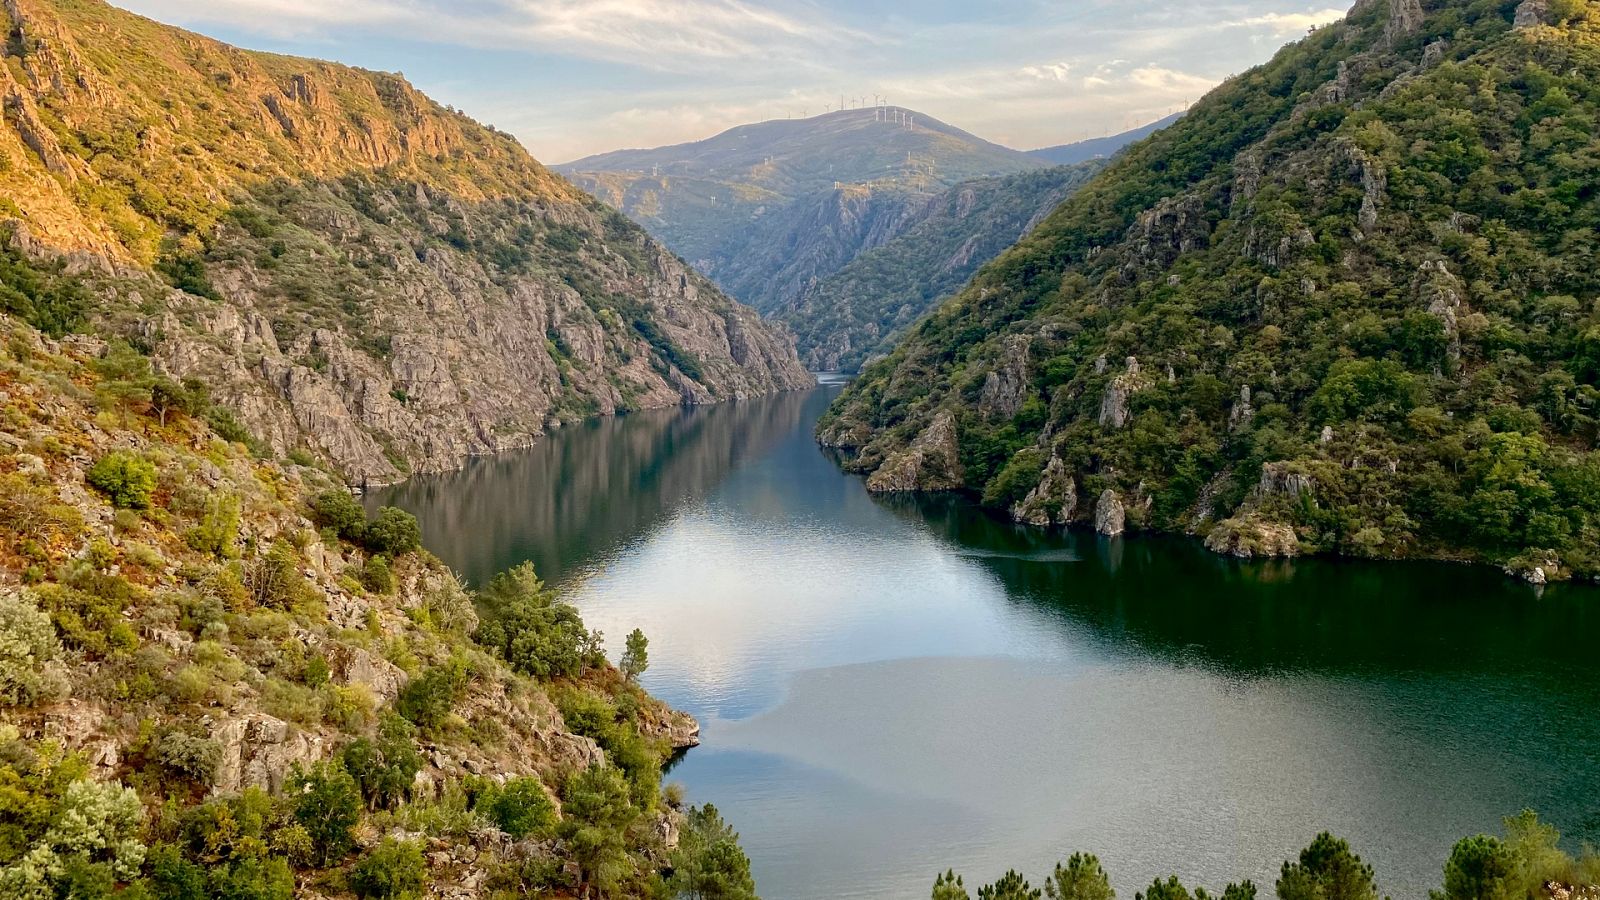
[(1348, 305)]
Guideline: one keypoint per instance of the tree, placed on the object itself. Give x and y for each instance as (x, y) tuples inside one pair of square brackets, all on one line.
[(533, 632), (1327, 870), (1479, 868), (709, 864), (384, 767), (1011, 886), (596, 813), (394, 532), (949, 887), (1081, 878), (339, 512), (1171, 889), (327, 802), (636, 658)]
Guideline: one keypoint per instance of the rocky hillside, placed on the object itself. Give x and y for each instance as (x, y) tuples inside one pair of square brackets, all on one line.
[(218, 678), (363, 275), (765, 209), (861, 310), (1347, 304)]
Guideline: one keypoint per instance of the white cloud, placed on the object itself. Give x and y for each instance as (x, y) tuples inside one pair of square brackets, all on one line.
[(1283, 24), (660, 34)]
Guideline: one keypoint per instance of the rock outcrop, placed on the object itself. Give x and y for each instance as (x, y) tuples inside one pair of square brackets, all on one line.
[(1110, 516), (260, 751), (1251, 536), (931, 463), (1053, 501)]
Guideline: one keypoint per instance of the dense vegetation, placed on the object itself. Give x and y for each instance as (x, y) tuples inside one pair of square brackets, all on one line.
[(860, 311), (1358, 287), (1526, 863), (219, 677)]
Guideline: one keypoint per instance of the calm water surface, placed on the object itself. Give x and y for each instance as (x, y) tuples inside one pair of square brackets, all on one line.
[(890, 686)]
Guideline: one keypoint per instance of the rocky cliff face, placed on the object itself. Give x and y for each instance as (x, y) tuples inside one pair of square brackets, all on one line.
[(844, 316), (1280, 323), (364, 275)]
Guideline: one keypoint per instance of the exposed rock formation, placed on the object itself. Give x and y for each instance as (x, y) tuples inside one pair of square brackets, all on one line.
[(1053, 501), (1532, 13), (1250, 536), (931, 463), (260, 751), (1006, 386), (1110, 517), (1114, 402)]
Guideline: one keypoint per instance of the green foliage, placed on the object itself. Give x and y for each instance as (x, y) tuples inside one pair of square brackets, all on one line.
[(1479, 868), (395, 870), (393, 532), (337, 510), (1327, 870), (428, 699), (30, 668), (1081, 878), (521, 807), (1011, 886), (127, 479), (532, 630), (708, 863), (949, 886), (327, 803), (38, 294), (376, 575), (192, 756), (63, 835), (636, 658), (596, 812), (384, 766)]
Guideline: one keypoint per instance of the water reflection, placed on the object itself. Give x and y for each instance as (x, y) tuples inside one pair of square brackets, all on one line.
[(890, 685)]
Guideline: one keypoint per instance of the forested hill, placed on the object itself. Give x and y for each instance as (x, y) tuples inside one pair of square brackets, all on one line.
[(1347, 304), (362, 275), (861, 310)]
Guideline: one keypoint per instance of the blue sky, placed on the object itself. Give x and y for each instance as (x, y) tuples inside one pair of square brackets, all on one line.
[(574, 77)]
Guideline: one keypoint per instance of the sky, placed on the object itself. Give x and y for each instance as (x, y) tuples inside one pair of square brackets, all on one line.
[(576, 77)]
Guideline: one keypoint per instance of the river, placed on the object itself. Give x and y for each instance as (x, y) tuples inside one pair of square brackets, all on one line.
[(893, 686)]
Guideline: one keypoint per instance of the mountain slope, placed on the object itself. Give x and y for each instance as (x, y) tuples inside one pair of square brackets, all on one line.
[(1099, 148), (218, 680), (764, 209), (362, 274), (1347, 304), (863, 308)]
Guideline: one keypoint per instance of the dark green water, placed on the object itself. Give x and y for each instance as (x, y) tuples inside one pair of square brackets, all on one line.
[(892, 686)]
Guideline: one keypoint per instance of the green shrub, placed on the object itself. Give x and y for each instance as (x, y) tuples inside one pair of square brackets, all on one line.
[(521, 807), (394, 532), (30, 667), (126, 479), (189, 755), (338, 510), (428, 698), (376, 576), (327, 803), (393, 871), (385, 766)]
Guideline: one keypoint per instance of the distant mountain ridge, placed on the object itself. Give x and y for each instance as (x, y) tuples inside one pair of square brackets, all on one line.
[(1102, 147), (767, 208)]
